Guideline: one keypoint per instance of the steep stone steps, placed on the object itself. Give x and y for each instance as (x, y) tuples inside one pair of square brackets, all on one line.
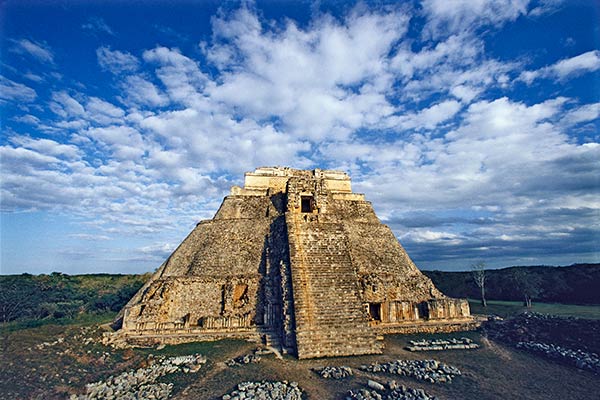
[(330, 319)]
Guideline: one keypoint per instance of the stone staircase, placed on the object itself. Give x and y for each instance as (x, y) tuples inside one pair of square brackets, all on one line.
[(330, 319)]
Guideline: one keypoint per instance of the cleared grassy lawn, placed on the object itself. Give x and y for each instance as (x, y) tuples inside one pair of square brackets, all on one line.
[(507, 308)]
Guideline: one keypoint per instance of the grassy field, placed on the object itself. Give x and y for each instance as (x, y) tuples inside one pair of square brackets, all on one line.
[(508, 308)]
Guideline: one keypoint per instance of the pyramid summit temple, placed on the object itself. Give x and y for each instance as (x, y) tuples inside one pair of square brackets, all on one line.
[(296, 260)]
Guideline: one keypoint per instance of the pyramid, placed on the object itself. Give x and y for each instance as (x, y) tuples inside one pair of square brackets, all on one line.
[(296, 260)]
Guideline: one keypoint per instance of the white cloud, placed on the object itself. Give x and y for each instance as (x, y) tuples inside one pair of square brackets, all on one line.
[(565, 69), (141, 92), (97, 24), (181, 75), (65, 105), (326, 80), (116, 61), (424, 127), (39, 51), (448, 17), (585, 113), (13, 91), (102, 111), (48, 147), (428, 118)]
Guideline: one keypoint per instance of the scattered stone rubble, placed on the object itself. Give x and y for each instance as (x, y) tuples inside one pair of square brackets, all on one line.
[(578, 358), (393, 391), (266, 391), (572, 341), (243, 359), (49, 344), (334, 372), (441, 344), (426, 370), (141, 383)]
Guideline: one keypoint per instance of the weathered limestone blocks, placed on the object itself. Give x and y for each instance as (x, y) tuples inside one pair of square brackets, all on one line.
[(393, 391), (431, 371), (440, 344), (142, 382), (266, 390), (330, 372)]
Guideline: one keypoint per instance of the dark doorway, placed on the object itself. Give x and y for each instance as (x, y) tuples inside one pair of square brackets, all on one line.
[(375, 311), (306, 204)]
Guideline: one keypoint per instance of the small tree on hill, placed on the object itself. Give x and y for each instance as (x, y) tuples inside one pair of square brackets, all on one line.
[(528, 285), (478, 271)]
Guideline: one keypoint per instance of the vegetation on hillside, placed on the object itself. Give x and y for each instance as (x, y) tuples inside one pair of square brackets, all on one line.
[(576, 284), (56, 296)]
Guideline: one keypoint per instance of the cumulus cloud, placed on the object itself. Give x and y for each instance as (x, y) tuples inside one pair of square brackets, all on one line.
[(427, 126)]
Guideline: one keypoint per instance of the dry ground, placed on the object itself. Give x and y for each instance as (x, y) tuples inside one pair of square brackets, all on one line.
[(494, 371)]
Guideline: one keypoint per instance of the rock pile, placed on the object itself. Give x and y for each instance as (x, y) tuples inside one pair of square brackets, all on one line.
[(567, 332), (49, 344), (572, 341), (334, 372), (266, 391), (377, 391), (441, 344), (578, 358), (141, 383), (242, 360), (427, 370)]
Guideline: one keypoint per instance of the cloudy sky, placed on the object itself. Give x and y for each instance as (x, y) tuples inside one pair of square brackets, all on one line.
[(471, 125)]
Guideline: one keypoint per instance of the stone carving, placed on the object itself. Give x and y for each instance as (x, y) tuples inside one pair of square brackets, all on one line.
[(297, 260)]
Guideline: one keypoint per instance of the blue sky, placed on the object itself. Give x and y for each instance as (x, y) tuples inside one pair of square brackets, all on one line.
[(471, 125)]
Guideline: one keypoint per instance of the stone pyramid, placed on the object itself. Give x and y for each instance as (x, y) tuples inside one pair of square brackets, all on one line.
[(296, 260)]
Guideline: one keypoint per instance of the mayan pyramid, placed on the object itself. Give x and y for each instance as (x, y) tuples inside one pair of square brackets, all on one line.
[(296, 260)]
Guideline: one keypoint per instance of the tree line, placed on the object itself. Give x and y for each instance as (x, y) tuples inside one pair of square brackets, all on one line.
[(54, 296), (575, 284)]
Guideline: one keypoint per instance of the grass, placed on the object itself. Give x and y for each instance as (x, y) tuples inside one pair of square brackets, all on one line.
[(508, 308), (80, 319)]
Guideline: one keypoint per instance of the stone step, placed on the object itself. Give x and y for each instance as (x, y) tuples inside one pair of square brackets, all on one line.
[(330, 319)]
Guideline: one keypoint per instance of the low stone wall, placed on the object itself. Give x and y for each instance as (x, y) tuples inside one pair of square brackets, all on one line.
[(428, 327), (120, 339)]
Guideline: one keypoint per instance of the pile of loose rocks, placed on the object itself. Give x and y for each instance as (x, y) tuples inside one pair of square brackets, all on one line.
[(334, 372), (568, 340), (265, 391), (441, 344), (392, 391), (578, 358), (141, 383), (427, 370), (242, 360)]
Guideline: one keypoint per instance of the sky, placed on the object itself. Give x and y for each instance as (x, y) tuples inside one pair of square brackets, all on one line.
[(471, 125)]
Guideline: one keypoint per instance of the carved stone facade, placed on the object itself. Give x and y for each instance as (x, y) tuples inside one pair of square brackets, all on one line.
[(297, 260)]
